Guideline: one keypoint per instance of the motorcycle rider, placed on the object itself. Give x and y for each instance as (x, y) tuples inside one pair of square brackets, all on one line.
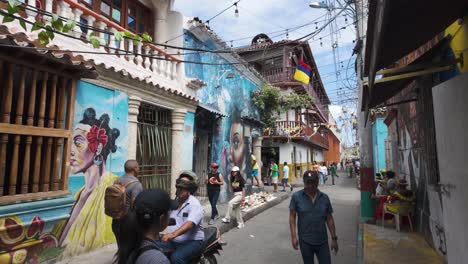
[(185, 238)]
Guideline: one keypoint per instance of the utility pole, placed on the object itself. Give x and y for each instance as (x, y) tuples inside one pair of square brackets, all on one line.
[(364, 131)]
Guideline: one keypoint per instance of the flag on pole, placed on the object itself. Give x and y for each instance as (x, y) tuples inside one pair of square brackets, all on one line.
[(302, 73)]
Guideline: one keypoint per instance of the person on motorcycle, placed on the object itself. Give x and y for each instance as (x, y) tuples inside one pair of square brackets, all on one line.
[(185, 238)]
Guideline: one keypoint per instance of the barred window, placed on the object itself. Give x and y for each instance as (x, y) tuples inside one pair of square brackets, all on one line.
[(36, 111)]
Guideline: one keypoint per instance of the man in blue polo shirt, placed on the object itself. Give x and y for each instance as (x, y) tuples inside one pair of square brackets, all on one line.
[(314, 211)]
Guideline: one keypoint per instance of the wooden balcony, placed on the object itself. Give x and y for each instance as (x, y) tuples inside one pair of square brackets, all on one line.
[(296, 131), (147, 58)]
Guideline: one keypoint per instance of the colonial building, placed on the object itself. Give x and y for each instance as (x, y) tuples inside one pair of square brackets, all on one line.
[(72, 114), (300, 136)]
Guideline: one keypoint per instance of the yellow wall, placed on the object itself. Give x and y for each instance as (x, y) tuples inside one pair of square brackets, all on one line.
[(292, 175), (459, 41)]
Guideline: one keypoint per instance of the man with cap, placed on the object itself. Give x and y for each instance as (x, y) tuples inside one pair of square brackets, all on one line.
[(313, 210), (186, 236)]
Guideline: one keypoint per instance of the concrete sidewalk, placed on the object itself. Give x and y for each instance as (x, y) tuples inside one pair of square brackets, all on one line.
[(105, 254), (386, 245)]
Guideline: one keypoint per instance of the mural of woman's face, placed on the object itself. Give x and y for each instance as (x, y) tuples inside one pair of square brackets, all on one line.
[(237, 143), (81, 156)]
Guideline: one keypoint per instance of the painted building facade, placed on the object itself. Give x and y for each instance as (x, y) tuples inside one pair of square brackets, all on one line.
[(97, 111), (227, 118)]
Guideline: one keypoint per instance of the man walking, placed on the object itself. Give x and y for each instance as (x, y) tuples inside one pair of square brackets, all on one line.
[(274, 170), (132, 188), (285, 179), (314, 210)]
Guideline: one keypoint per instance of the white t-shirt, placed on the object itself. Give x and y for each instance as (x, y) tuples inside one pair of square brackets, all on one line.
[(285, 172), (324, 170)]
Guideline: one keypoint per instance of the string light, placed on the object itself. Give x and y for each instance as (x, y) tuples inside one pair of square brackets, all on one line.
[(287, 33), (316, 27), (236, 12)]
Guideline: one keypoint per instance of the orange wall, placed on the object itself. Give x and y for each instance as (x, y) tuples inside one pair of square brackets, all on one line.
[(333, 152)]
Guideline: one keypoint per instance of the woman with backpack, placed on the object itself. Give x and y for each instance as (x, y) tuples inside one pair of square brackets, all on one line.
[(141, 227)]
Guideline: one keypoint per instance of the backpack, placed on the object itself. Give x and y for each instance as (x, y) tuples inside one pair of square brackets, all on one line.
[(115, 199)]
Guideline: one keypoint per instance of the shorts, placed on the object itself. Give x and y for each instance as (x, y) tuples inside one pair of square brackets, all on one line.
[(254, 173), (284, 181), (274, 180)]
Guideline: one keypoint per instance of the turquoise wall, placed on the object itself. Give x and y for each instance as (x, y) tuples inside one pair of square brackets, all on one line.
[(379, 135)]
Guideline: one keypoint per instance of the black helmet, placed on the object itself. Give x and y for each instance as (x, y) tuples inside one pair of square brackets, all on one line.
[(190, 185)]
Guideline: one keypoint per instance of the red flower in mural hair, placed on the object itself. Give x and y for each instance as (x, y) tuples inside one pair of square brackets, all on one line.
[(95, 136)]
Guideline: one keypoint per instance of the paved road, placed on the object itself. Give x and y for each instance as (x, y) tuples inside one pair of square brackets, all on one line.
[(266, 239)]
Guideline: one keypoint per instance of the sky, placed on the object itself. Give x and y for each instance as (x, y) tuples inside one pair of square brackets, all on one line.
[(273, 17)]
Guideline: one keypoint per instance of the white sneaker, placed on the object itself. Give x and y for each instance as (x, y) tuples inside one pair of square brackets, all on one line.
[(240, 226), (225, 220)]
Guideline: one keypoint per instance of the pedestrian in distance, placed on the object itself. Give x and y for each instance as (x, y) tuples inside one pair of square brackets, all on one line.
[(333, 169), (120, 196), (313, 211), (213, 187), (237, 184), (285, 179), (254, 172), (141, 228), (274, 174)]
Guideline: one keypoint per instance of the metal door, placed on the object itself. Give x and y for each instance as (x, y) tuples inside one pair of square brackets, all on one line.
[(201, 162), (154, 147)]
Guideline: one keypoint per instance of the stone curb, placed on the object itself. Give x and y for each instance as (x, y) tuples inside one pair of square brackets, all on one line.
[(223, 228)]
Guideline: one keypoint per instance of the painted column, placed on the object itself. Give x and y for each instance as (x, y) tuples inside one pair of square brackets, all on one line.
[(257, 151), (178, 119), (133, 111)]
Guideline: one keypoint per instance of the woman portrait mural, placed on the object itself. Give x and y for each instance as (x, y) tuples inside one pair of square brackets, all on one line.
[(96, 149)]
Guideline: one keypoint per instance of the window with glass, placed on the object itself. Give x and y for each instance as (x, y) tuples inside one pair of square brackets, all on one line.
[(131, 15)]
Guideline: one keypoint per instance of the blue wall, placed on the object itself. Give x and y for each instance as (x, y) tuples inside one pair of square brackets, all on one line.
[(233, 96), (379, 135)]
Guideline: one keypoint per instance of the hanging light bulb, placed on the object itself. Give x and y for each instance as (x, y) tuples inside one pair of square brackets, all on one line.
[(321, 44), (345, 18), (316, 27), (231, 44), (236, 12), (287, 34)]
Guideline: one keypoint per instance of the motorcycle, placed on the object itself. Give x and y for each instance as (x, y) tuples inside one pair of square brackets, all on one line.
[(211, 246)]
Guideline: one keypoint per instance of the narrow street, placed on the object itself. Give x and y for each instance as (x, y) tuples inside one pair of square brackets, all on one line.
[(266, 237)]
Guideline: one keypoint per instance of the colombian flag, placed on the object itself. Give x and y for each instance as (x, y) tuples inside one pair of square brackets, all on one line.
[(302, 72)]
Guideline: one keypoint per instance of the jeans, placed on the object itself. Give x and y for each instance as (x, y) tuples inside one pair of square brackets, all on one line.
[(235, 202), (308, 251), (213, 196), (183, 252), (322, 178)]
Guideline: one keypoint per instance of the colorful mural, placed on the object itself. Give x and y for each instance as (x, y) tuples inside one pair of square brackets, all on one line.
[(228, 95), (39, 231), (97, 156)]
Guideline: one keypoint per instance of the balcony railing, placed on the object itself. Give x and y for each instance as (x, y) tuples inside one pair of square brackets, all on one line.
[(279, 75), (146, 56), (296, 129)]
